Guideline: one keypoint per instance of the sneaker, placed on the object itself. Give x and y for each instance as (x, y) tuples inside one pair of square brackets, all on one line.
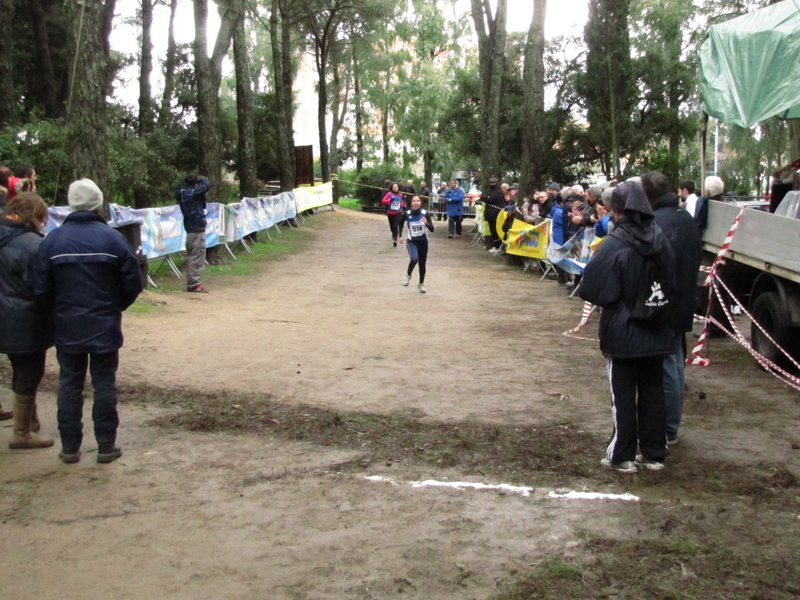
[(650, 465), (69, 458), (673, 441), (421, 288), (449, 237), (198, 288), (626, 466), (394, 244), (458, 237), (407, 280)]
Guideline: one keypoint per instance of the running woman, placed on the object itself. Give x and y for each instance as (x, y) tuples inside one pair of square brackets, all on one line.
[(394, 202), (417, 219)]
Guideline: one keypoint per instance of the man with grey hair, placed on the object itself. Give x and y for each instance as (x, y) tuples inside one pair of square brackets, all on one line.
[(86, 274), (713, 187)]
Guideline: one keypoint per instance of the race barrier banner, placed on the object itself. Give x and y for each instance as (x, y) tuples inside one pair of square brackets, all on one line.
[(306, 198), (526, 240)]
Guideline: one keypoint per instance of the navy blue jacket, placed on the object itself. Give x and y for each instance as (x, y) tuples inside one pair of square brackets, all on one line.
[(684, 237), (87, 274), (192, 201), (22, 323)]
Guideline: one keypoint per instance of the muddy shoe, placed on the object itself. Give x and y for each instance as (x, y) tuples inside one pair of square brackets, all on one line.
[(107, 453), (626, 466), (69, 458)]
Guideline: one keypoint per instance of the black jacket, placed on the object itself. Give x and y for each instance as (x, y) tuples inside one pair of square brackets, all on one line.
[(612, 277), (23, 323), (87, 274), (192, 200), (494, 201), (684, 237)]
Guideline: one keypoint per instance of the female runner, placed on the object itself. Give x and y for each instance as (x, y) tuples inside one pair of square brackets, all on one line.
[(394, 202), (417, 219)]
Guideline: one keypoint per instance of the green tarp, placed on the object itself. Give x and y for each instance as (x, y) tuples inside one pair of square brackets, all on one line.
[(750, 66)]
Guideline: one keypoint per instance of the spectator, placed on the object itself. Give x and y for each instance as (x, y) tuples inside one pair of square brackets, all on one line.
[(24, 335), (684, 238), (529, 211), (408, 191), (87, 274), (493, 203), (424, 192), (688, 198), (454, 197), (191, 197), (634, 351), (16, 183), (604, 224), (712, 190)]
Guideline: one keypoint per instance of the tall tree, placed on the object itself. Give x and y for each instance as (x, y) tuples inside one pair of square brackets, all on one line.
[(169, 69), (8, 101), (146, 69), (491, 31), (248, 183), (50, 89), (532, 168), (609, 85), (281, 25), (208, 73), (340, 98), (91, 83)]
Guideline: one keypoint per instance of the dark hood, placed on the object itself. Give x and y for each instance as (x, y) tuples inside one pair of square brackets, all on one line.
[(10, 229), (666, 201), (636, 227)]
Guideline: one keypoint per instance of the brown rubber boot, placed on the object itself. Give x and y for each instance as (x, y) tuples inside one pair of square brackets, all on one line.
[(35, 424), (5, 415), (22, 438)]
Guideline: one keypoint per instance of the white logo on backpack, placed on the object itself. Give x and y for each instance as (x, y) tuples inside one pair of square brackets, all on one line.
[(657, 297)]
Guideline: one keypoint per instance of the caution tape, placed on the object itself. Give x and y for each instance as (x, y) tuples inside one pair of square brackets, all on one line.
[(588, 309)]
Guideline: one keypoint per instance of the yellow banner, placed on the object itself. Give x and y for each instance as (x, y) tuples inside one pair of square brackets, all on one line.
[(526, 240)]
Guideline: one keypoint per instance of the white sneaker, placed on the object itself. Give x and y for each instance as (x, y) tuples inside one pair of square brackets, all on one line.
[(421, 288), (407, 280)]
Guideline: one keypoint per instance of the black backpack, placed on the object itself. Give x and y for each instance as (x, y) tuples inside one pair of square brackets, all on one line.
[(651, 306)]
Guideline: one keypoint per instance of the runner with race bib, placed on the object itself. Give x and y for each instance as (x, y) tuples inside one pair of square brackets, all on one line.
[(417, 219), (393, 200)]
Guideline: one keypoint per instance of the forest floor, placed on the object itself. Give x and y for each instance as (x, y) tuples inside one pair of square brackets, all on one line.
[(301, 431)]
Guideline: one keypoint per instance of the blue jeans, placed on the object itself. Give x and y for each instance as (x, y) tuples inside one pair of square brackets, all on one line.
[(72, 376), (674, 384)]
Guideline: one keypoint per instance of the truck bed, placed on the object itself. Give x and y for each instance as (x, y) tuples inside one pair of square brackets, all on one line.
[(762, 240)]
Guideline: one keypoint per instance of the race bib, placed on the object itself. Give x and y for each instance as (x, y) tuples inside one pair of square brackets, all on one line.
[(417, 228), (395, 205)]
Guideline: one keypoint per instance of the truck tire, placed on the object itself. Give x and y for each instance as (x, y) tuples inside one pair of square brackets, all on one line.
[(769, 312)]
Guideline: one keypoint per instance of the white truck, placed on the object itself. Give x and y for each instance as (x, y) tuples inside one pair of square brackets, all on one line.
[(762, 268)]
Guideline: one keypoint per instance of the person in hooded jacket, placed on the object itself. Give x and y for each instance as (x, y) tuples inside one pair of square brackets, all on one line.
[(191, 197), (24, 334), (684, 238), (634, 352), (87, 274)]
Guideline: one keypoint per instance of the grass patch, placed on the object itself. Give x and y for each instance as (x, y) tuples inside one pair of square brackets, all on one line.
[(652, 569), (145, 304), (351, 203)]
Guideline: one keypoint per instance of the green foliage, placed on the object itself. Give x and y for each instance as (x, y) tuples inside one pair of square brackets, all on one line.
[(368, 186), (41, 143)]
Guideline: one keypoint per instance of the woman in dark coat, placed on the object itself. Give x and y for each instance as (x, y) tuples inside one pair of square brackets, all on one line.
[(23, 331)]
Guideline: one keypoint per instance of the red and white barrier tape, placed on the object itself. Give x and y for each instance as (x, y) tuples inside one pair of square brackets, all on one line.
[(588, 309)]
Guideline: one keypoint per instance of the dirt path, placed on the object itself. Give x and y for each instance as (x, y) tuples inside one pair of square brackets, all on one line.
[(257, 515)]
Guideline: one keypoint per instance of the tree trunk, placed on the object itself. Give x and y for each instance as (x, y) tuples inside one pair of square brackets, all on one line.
[(491, 57), (8, 100), (88, 147), (322, 107), (794, 138), (339, 110), (169, 69), (385, 134), (427, 159), (248, 182), (359, 113), (145, 69), (52, 107), (208, 72), (533, 84), (280, 38)]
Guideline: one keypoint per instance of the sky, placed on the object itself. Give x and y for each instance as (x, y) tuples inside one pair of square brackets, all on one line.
[(563, 17)]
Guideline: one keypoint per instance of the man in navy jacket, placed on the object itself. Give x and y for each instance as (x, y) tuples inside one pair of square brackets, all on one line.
[(191, 197), (87, 274)]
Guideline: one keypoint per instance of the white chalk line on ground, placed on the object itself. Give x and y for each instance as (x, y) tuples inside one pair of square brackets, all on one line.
[(504, 487)]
